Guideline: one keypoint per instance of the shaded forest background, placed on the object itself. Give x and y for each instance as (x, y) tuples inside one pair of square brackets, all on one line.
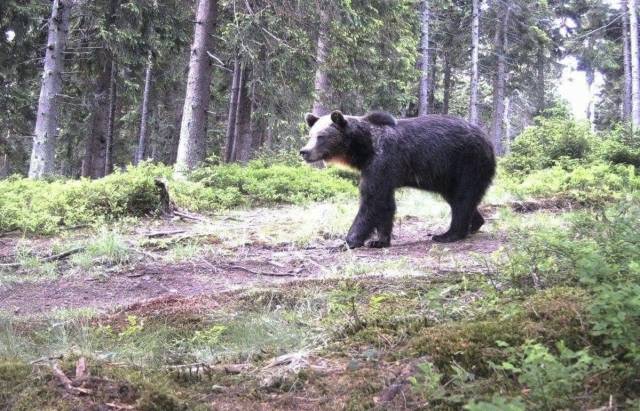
[(126, 69)]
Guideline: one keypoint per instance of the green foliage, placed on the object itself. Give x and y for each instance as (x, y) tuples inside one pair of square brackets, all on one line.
[(598, 252), (594, 184), (621, 146), (551, 139), (47, 206), (259, 184), (552, 381)]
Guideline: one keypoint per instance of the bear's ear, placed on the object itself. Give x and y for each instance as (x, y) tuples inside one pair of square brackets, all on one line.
[(338, 118), (310, 119)]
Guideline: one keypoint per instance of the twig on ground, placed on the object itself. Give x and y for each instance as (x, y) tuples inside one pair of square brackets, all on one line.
[(250, 271), (190, 217), (51, 258), (66, 382), (158, 234)]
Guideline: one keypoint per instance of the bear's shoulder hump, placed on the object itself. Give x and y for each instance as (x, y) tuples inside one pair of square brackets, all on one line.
[(380, 118)]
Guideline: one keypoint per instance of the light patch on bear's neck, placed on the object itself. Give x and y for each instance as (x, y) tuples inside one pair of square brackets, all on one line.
[(340, 161)]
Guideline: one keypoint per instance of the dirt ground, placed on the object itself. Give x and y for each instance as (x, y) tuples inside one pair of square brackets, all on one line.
[(222, 265)]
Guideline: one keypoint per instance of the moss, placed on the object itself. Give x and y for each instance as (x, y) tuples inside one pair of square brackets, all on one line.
[(548, 317)]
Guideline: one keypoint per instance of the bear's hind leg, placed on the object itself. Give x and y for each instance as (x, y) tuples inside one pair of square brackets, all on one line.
[(463, 209), (476, 222)]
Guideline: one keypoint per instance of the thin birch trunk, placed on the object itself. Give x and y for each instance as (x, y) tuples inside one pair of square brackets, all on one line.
[(446, 97)]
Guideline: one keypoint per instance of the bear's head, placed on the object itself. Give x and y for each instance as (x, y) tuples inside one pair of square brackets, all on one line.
[(346, 140), (327, 137)]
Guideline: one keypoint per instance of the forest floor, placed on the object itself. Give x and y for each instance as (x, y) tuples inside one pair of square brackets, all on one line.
[(250, 309)]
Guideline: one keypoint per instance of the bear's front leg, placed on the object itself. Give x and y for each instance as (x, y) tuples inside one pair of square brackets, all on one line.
[(377, 208)]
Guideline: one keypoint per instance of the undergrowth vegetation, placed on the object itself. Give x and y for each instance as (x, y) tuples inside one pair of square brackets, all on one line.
[(550, 320), (47, 206)]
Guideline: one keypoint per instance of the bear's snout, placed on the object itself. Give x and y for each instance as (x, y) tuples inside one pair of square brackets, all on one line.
[(305, 153)]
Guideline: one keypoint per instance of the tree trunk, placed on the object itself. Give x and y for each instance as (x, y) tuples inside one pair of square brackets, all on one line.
[(423, 94), (540, 62), (233, 109), (321, 82), (242, 139), (433, 80), (46, 130), (193, 131), (144, 112), (500, 44), (475, 34), (93, 163), (446, 97), (113, 95), (635, 69), (626, 102)]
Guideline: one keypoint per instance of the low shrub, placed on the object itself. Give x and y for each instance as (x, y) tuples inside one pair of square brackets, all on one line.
[(551, 139), (595, 184), (46, 206)]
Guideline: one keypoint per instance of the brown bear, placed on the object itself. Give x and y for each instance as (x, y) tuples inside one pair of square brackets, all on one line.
[(437, 153)]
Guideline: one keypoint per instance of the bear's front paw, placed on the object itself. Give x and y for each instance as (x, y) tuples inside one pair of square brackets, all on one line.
[(354, 243), (447, 238), (378, 244)]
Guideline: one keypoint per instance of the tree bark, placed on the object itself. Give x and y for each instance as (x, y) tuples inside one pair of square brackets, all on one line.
[(144, 112), (628, 82), (193, 131), (113, 96), (540, 62), (433, 80), (46, 130), (475, 34), (233, 109), (635, 63), (242, 139), (446, 97), (321, 82), (423, 94), (93, 163), (500, 44)]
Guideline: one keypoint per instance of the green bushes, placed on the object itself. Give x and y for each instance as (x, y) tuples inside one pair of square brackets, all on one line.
[(540, 146), (261, 184), (591, 184), (46, 206)]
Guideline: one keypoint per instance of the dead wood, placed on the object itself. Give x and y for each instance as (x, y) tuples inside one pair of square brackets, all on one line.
[(250, 271), (168, 233), (51, 258), (67, 383)]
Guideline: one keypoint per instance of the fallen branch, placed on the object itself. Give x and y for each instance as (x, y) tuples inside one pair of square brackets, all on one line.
[(67, 383), (190, 217), (250, 271), (159, 234), (51, 258)]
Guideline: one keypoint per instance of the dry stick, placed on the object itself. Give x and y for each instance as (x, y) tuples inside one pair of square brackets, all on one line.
[(164, 233), (239, 267), (68, 384), (55, 257), (190, 217)]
